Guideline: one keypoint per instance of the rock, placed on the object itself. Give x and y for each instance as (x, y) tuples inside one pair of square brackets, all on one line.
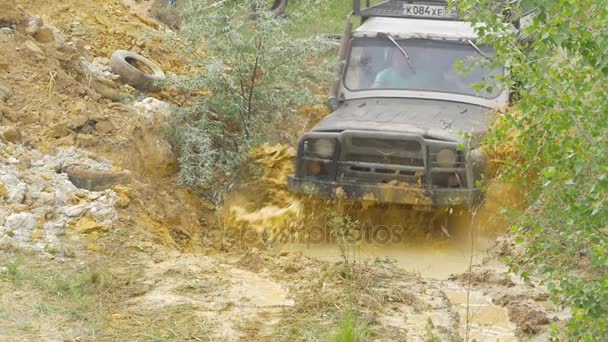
[(21, 224), (3, 191), (3, 270), (59, 130), (34, 24), (110, 90), (45, 35), (75, 210), (104, 126), (16, 194), (87, 225), (89, 178), (155, 155), (155, 111), (122, 201), (86, 140), (5, 93), (44, 199), (103, 211), (10, 179), (76, 121), (11, 134)]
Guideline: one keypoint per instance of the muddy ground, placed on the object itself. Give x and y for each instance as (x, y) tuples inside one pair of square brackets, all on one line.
[(140, 258), (148, 292)]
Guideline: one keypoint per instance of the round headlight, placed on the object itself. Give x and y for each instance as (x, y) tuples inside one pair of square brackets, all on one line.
[(479, 159), (446, 158), (323, 148)]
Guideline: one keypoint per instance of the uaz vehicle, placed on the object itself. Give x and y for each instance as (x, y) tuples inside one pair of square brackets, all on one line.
[(406, 111)]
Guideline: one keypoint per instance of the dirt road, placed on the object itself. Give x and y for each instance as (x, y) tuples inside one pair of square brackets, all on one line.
[(140, 258)]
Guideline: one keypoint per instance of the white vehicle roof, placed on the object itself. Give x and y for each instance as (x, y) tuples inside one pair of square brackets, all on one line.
[(408, 28)]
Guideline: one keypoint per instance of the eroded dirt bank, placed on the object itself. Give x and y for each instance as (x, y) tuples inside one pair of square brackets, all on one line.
[(97, 242)]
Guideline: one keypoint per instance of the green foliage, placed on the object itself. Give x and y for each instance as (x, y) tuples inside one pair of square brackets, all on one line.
[(561, 120), (257, 76), (350, 330), (430, 336), (343, 229), (13, 269)]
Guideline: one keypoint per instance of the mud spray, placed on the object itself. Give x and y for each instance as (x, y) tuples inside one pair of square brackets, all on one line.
[(268, 215)]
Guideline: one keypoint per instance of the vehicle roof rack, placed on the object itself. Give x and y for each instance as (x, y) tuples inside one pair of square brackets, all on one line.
[(420, 9)]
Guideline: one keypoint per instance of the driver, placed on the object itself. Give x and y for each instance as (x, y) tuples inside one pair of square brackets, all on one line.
[(399, 75)]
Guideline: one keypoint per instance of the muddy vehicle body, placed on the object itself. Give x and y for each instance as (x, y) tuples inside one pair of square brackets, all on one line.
[(406, 117)]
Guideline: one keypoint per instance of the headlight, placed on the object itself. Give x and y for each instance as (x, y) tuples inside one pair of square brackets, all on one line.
[(446, 158), (479, 159), (321, 148)]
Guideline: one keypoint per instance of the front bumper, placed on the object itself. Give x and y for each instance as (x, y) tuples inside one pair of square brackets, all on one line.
[(385, 193)]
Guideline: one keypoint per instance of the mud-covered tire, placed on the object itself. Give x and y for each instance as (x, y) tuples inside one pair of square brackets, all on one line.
[(129, 74)]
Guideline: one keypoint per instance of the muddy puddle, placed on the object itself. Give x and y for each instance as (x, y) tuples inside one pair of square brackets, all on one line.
[(429, 259), (486, 321)]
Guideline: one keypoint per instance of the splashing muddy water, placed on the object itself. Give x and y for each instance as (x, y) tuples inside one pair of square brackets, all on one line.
[(276, 216), (287, 222)]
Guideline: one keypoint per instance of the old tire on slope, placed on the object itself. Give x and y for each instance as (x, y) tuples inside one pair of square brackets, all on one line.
[(122, 64)]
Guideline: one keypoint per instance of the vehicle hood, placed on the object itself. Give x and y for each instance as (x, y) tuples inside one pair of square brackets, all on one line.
[(435, 119)]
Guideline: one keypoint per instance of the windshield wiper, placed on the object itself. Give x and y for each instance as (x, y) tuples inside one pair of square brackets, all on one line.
[(405, 55), (477, 49)]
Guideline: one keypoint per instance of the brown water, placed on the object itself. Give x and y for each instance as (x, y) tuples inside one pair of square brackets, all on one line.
[(486, 321), (430, 259)]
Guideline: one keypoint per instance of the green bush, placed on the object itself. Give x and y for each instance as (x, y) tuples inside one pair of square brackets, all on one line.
[(561, 124), (257, 76)]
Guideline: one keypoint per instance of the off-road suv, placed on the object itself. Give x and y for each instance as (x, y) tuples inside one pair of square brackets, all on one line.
[(406, 111)]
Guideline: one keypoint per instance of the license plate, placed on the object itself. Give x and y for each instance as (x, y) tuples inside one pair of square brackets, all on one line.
[(427, 11)]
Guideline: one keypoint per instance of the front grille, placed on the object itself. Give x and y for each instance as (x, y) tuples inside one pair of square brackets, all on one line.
[(382, 159), (383, 151), (366, 158)]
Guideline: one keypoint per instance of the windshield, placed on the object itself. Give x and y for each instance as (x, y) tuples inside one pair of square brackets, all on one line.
[(420, 65)]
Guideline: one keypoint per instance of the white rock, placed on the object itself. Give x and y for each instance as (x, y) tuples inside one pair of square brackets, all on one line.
[(21, 224), (153, 109), (29, 186), (75, 210), (44, 199), (16, 194), (9, 179), (57, 225)]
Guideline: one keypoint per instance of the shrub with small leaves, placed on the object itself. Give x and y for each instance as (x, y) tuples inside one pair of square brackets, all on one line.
[(256, 75), (561, 125)]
